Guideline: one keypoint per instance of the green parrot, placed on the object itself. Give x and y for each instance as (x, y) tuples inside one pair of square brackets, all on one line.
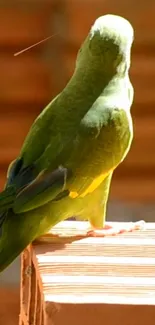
[(66, 163)]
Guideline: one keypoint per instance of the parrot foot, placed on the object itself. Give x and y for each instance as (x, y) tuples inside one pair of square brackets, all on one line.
[(109, 230)]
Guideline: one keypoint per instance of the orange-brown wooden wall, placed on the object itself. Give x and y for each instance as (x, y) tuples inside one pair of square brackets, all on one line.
[(28, 81)]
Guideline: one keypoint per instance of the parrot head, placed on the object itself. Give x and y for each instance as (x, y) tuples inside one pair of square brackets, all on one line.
[(108, 44)]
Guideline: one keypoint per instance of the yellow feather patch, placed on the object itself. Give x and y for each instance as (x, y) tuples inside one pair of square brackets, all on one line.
[(91, 188), (73, 195)]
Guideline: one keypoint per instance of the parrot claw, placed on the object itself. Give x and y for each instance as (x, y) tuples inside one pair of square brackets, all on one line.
[(110, 230)]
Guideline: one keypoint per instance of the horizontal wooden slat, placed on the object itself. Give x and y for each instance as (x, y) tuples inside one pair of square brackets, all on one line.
[(142, 65), (114, 269), (23, 78), (141, 17), (11, 109), (14, 129), (142, 110), (139, 158), (92, 279), (23, 25), (133, 190)]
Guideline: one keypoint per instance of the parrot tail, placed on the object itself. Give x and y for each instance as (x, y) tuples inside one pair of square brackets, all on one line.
[(7, 198)]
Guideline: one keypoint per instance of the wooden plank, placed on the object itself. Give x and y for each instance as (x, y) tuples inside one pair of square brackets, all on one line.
[(142, 110), (13, 129), (142, 17), (29, 280), (84, 280), (142, 65), (133, 190), (23, 78), (13, 109), (23, 25)]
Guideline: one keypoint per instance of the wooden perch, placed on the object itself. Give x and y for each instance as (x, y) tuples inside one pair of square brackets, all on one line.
[(89, 281)]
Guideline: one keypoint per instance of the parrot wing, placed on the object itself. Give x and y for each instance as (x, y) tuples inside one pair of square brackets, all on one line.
[(46, 187), (23, 192), (77, 176)]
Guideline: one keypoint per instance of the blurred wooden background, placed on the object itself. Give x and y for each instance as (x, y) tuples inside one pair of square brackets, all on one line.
[(29, 81)]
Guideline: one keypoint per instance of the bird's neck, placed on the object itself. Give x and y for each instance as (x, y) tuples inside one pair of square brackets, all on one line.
[(82, 90)]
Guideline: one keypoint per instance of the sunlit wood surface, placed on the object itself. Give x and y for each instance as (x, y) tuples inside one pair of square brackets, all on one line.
[(69, 281)]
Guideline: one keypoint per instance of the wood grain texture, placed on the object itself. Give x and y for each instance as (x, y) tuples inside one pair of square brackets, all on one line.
[(118, 269), (100, 274), (29, 81)]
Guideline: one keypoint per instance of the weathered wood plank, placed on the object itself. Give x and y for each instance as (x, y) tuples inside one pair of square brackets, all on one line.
[(83, 280)]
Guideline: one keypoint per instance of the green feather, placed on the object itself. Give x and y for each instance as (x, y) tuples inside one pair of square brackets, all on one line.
[(86, 131)]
